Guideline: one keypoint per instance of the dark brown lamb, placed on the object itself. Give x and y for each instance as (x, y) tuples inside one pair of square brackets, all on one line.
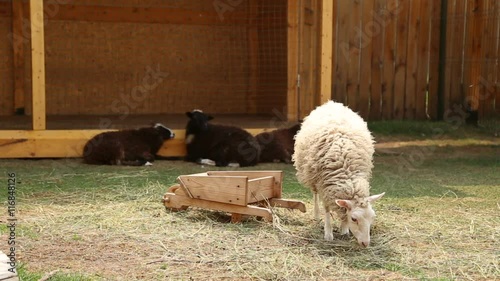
[(133, 147), (277, 145)]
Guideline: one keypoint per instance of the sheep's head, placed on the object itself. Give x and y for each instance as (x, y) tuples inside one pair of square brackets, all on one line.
[(360, 216), (198, 123), (165, 132)]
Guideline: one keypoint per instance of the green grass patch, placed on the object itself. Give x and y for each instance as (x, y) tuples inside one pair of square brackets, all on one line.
[(104, 222)]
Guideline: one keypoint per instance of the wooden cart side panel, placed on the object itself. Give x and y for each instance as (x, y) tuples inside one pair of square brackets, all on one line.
[(278, 177), (260, 189), (224, 189)]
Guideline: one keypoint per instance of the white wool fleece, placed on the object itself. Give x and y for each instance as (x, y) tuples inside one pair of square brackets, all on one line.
[(334, 154)]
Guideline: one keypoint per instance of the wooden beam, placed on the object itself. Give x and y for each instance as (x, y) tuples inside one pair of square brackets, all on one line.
[(38, 64), (18, 55), (70, 143), (326, 50), (147, 15), (98, 13), (293, 60)]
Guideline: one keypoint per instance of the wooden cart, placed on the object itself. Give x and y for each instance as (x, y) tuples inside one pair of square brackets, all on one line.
[(236, 192)]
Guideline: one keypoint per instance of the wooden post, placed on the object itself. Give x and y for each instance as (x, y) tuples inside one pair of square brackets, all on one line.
[(18, 55), (37, 64), (293, 60), (326, 50)]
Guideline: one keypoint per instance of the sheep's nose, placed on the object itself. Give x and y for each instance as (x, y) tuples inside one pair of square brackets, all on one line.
[(365, 244)]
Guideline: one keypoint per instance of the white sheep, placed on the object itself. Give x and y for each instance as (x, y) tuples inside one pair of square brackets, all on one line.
[(334, 158)]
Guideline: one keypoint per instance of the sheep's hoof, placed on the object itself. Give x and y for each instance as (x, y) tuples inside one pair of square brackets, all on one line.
[(329, 236)]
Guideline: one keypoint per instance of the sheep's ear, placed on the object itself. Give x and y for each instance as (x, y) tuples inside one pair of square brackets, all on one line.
[(374, 198), (189, 114), (344, 203), (209, 117)]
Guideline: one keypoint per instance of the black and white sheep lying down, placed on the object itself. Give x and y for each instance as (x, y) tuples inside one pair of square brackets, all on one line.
[(220, 143), (277, 145), (133, 147)]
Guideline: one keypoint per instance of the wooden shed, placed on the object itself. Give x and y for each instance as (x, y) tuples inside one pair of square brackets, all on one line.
[(74, 68), (80, 67)]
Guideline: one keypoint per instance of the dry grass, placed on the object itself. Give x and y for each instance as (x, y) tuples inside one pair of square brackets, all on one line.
[(111, 228)]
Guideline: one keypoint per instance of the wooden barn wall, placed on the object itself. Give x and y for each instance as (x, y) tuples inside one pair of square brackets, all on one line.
[(6, 66), (472, 78), (385, 57)]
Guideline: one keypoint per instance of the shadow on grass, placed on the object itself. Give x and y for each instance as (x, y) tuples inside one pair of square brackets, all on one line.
[(380, 254), (440, 173)]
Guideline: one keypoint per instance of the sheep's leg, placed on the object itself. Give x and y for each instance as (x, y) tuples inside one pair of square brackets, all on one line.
[(344, 229), (316, 205), (328, 226)]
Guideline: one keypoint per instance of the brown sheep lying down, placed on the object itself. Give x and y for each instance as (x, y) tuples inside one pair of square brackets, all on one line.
[(277, 145), (132, 147)]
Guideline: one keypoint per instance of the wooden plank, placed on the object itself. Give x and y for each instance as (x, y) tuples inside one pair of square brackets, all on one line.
[(354, 41), (485, 80), (481, 57), (278, 177), (70, 143), (401, 60), (62, 144), (95, 13), (172, 200), (5, 9), (326, 51), (389, 59), (473, 54), (333, 26), (308, 95), (18, 55), (287, 203), (412, 59), (131, 14), (456, 57), (376, 61), (434, 60), (423, 57), (496, 73), (449, 64), (223, 189), (342, 51), (37, 64), (367, 37), (253, 56), (293, 63), (260, 189)]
